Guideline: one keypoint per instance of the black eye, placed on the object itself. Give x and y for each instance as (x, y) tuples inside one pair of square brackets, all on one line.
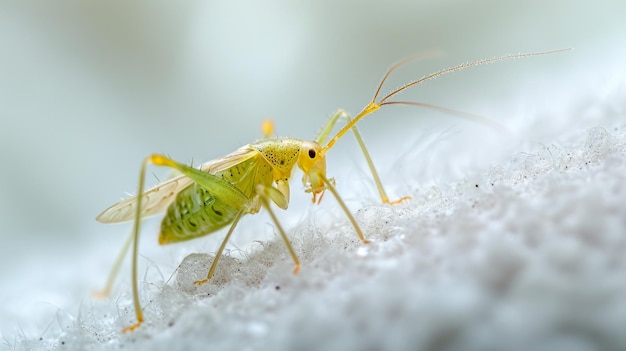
[(311, 153)]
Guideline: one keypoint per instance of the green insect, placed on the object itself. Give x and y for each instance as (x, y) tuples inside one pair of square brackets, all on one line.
[(203, 200)]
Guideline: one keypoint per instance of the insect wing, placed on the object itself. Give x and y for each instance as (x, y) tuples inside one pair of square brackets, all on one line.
[(156, 199), (210, 204), (236, 157)]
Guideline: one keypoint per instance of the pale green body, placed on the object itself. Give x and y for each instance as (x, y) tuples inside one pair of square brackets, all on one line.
[(198, 211)]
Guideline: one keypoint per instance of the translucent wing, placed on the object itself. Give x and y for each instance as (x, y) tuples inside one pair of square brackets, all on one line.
[(155, 200), (236, 157), (159, 197)]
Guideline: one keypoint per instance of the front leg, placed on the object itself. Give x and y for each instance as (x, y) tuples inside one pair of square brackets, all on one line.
[(325, 132), (268, 192)]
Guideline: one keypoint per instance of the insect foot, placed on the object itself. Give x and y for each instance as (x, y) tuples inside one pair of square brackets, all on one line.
[(132, 328), (399, 201)]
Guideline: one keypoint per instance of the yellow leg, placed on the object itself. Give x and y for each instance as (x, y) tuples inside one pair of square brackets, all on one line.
[(218, 254), (370, 163), (159, 161), (379, 184), (200, 178), (136, 227), (263, 191), (332, 189)]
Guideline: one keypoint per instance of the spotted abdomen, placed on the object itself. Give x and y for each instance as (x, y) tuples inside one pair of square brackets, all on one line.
[(195, 212)]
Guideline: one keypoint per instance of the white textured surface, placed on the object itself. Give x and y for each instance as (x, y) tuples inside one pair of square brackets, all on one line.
[(527, 255)]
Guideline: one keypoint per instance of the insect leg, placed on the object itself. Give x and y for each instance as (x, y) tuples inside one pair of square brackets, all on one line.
[(328, 127), (370, 163), (116, 268), (135, 236), (379, 185), (218, 254), (221, 188), (266, 192), (343, 206)]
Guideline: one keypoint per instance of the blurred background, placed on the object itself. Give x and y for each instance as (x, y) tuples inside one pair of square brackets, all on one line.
[(88, 89)]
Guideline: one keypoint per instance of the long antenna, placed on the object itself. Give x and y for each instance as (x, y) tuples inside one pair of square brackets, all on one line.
[(373, 105)]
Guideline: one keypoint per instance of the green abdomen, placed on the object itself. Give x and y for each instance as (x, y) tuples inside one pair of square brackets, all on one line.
[(198, 211), (195, 212)]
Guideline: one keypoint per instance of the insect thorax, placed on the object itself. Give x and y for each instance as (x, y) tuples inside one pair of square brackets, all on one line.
[(281, 153)]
